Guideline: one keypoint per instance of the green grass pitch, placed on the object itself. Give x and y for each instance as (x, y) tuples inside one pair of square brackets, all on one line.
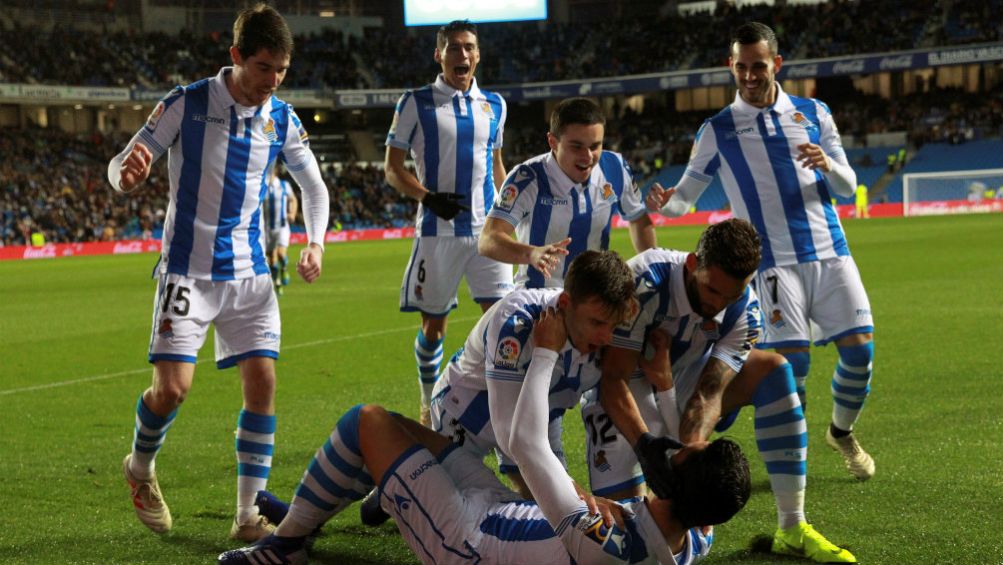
[(74, 335)]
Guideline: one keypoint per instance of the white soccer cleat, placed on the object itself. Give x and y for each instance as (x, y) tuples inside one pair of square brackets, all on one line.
[(146, 498), (253, 531), (858, 462)]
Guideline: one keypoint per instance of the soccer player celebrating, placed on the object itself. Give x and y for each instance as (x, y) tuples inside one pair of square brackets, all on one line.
[(561, 203), (281, 207), (453, 130), (702, 304), (222, 135), (450, 508), (780, 158)]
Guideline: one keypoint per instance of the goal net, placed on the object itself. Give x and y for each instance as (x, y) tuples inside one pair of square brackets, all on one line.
[(952, 192)]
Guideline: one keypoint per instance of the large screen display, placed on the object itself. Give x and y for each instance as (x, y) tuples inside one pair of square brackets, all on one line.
[(437, 12)]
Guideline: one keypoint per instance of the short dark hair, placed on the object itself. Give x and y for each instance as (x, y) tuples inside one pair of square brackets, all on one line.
[(732, 246), (455, 26), (602, 275), (712, 485), (261, 27), (575, 111), (751, 33)]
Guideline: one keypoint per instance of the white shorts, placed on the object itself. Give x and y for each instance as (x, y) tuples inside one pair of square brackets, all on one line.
[(483, 441), (439, 512), (277, 238), (611, 460), (826, 296), (244, 312), (433, 275)]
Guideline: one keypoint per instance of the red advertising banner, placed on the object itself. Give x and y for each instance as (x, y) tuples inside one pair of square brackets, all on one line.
[(53, 250)]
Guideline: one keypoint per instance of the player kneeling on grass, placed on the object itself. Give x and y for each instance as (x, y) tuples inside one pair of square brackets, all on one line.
[(450, 508)]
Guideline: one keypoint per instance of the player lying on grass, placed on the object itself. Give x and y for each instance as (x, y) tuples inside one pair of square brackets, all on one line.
[(450, 508)]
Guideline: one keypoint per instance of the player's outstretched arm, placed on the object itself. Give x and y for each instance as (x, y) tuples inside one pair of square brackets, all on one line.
[(550, 484), (703, 409), (497, 241)]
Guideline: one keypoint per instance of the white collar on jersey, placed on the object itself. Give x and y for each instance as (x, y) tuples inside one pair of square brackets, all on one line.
[(442, 86), (783, 103), (681, 301), (560, 183), (222, 93)]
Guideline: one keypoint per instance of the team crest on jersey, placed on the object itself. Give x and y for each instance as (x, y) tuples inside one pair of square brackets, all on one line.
[(607, 191), (269, 130), (802, 121), (507, 197), (601, 462), (486, 106), (777, 319), (507, 355), (166, 328), (151, 122)]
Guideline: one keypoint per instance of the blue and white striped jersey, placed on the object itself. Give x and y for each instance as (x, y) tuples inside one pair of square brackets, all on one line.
[(660, 289), (518, 532), (277, 204), (754, 150), (546, 206), (451, 136), (500, 347), (219, 154)]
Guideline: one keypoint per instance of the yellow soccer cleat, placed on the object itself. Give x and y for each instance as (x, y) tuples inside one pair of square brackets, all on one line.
[(803, 541)]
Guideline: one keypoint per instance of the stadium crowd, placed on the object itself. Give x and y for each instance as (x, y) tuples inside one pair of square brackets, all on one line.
[(54, 182), (551, 51)]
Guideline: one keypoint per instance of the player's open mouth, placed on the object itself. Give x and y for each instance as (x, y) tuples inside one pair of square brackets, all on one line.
[(461, 70), (584, 168)]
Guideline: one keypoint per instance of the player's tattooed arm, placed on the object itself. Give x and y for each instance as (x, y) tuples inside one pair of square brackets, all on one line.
[(703, 409)]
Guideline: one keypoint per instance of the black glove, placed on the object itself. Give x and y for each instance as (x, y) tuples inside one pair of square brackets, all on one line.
[(654, 459), (446, 205)]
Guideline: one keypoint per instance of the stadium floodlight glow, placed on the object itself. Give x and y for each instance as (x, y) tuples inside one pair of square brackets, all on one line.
[(925, 194), (436, 12)]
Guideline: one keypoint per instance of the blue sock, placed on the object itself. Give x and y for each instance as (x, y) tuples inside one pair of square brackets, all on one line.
[(147, 437), (782, 439), (851, 383), (428, 355), (335, 478), (254, 444), (800, 363)]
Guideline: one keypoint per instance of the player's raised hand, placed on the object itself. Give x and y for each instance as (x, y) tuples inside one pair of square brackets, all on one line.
[(658, 197), (550, 332), (654, 361), (446, 205), (135, 168), (546, 257), (812, 157), (309, 265)]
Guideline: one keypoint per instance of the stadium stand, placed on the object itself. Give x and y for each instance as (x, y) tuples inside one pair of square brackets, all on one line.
[(54, 182)]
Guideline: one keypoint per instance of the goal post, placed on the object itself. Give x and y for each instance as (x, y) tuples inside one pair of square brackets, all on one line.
[(925, 193)]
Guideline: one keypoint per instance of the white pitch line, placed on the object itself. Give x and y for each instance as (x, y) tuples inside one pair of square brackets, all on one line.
[(200, 361)]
